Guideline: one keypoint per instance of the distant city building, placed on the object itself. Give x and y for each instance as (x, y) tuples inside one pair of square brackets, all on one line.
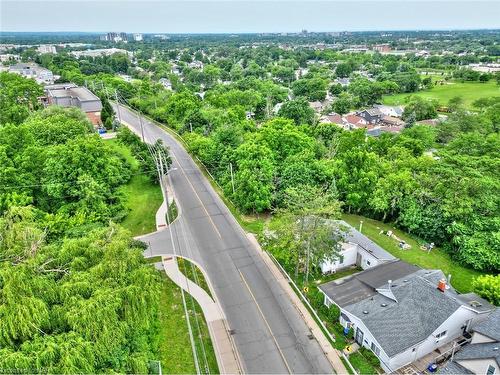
[(9, 57), (71, 95), (161, 36), (138, 37), (382, 48), (100, 52), (34, 71), (485, 68), (114, 37), (46, 48)]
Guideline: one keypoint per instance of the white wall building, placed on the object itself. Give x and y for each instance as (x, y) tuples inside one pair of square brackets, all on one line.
[(34, 71), (137, 37), (46, 48), (398, 311), (356, 249), (482, 355)]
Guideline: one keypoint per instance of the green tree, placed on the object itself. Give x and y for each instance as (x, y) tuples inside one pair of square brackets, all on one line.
[(18, 97), (488, 287), (343, 103), (422, 109), (254, 177), (297, 110)]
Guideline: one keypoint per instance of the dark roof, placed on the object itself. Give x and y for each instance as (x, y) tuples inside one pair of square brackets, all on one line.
[(347, 290), (473, 301), (374, 132), (400, 325), (378, 276), (373, 112), (453, 368), (355, 288), (480, 351), (491, 326)]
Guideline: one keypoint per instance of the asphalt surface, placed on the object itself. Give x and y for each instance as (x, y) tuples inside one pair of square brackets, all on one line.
[(269, 333)]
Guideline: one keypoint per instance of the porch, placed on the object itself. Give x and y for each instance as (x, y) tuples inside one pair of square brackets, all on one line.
[(439, 357)]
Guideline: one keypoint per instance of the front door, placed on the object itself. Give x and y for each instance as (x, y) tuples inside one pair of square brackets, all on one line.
[(359, 336)]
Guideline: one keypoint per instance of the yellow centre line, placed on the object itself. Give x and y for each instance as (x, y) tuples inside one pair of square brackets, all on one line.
[(267, 324), (197, 196)]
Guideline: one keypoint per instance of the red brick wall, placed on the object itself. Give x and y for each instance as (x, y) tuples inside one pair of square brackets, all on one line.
[(95, 118)]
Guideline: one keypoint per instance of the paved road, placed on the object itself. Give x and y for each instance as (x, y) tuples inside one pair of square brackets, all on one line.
[(269, 333)]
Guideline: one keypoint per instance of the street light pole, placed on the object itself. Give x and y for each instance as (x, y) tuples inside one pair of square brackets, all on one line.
[(118, 107)]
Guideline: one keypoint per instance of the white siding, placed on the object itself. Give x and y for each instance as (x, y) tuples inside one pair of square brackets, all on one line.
[(479, 366), (478, 338), (453, 327), (347, 259), (367, 260)]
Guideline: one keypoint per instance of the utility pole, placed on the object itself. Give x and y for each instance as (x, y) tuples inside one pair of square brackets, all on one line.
[(232, 175), (142, 126), (118, 107)]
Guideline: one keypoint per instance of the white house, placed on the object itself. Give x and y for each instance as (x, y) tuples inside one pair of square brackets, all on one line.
[(390, 110), (165, 82), (356, 249), (402, 312), (34, 71), (482, 355)]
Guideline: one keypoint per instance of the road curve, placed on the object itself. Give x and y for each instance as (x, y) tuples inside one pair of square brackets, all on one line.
[(269, 333)]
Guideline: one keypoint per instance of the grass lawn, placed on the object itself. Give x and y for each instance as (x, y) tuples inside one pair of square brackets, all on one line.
[(360, 364), (142, 197), (142, 201), (469, 91), (176, 354), (461, 277)]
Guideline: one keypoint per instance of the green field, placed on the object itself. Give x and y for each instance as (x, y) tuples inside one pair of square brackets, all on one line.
[(176, 354), (469, 91), (461, 277), (142, 201), (142, 197)]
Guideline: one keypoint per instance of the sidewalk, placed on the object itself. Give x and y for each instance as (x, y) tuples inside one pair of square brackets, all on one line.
[(225, 352), (331, 353)]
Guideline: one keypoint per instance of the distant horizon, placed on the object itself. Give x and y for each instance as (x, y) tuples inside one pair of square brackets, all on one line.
[(243, 33), (246, 17)]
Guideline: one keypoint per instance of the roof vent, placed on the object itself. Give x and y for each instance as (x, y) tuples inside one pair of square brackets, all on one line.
[(475, 304), (383, 304), (365, 312), (405, 280), (495, 348)]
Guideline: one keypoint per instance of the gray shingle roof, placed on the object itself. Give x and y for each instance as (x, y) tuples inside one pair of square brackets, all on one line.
[(453, 368), (403, 324), (480, 351), (355, 288), (491, 326)]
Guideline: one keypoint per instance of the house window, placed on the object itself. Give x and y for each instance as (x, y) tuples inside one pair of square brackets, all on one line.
[(341, 259), (375, 349), (368, 262), (491, 370), (413, 350), (441, 335)]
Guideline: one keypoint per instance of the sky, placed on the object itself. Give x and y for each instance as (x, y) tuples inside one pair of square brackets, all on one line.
[(238, 16)]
